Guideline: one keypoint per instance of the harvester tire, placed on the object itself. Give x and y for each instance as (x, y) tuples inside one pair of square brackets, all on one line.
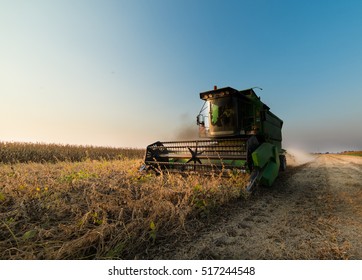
[(283, 163)]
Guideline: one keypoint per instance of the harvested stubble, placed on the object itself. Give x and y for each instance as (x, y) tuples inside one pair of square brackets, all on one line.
[(100, 209)]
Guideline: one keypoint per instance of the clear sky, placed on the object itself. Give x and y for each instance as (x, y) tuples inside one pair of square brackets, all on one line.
[(128, 73)]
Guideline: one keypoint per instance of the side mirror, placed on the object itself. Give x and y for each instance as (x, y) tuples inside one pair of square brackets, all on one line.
[(200, 120)]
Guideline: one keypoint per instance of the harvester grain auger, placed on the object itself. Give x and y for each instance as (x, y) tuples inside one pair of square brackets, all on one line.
[(243, 136)]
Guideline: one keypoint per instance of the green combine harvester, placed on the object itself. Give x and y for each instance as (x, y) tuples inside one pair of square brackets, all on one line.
[(243, 136)]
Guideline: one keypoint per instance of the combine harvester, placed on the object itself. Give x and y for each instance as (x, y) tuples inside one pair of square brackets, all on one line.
[(243, 136)]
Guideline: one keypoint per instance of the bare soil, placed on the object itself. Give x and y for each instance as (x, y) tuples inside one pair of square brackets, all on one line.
[(313, 211)]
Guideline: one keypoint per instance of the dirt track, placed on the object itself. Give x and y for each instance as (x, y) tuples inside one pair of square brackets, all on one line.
[(313, 211)]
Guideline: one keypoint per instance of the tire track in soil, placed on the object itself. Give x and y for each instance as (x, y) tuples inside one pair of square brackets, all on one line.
[(345, 181), (295, 219)]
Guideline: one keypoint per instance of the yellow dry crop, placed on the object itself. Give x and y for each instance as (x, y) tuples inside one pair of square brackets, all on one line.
[(99, 209)]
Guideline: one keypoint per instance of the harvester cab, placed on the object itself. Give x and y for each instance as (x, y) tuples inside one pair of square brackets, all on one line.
[(242, 136)]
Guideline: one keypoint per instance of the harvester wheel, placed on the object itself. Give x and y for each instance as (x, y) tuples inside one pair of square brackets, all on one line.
[(283, 162)]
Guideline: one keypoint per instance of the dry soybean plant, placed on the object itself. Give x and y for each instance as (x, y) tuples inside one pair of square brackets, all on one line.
[(100, 209)]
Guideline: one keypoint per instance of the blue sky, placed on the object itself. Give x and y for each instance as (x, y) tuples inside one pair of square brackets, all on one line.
[(128, 73)]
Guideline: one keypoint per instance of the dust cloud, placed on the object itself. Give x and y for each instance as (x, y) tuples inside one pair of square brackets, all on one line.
[(187, 132), (186, 129), (298, 157)]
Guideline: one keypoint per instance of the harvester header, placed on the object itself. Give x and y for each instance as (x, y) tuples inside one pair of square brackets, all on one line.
[(243, 136)]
